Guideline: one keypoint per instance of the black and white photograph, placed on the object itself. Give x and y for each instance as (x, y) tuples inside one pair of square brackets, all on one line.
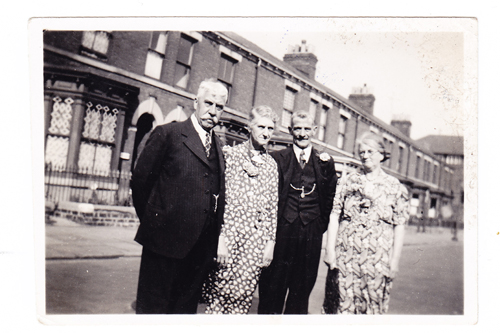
[(292, 170), (307, 170)]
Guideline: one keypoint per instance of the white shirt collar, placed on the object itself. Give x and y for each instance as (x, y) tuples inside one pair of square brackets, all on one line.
[(307, 152), (201, 132)]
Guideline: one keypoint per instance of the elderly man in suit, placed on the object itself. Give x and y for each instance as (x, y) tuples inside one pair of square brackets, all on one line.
[(307, 182), (178, 193)]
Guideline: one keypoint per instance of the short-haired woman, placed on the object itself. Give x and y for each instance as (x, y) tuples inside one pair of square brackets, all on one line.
[(246, 242), (364, 247)]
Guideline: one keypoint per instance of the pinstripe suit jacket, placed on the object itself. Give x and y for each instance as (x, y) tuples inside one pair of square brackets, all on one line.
[(169, 189)]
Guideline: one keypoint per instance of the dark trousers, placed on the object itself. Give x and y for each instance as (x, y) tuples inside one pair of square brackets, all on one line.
[(173, 286), (294, 269)]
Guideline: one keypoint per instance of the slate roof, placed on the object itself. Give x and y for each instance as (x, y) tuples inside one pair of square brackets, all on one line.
[(443, 144)]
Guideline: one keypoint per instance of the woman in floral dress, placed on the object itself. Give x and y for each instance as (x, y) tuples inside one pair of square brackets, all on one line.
[(246, 242), (365, 246)]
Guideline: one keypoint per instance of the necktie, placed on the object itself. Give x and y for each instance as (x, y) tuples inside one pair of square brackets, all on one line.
[(302, 158), (207, 145)]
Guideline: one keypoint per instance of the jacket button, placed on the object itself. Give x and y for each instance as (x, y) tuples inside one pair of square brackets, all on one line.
[(205, 211), (207, 191), (205, 175)]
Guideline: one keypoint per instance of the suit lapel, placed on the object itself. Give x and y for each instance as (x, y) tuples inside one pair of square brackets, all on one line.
[(218, 146), (193, 142), (317, 170)]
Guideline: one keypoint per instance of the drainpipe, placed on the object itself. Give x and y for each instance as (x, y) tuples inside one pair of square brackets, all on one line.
[(256, 81)]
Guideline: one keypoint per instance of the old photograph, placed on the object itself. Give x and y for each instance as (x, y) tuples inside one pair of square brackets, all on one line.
[(260, 166)]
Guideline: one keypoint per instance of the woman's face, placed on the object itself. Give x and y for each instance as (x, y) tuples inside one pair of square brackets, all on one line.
[(369, 154), (261, 130)]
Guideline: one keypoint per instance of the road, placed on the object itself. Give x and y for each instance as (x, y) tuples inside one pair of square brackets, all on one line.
[(84, 275)]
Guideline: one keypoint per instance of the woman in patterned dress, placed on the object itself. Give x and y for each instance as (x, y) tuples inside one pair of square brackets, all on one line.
[(365, 246), (246, 242)]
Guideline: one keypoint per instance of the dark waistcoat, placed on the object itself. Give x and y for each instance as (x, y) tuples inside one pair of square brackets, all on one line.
[(304, 206), (212, 177)]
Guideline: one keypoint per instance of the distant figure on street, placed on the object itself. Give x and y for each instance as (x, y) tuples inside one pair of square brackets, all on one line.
[(307, 182), (178, 193), (246, 242), (365, 236)]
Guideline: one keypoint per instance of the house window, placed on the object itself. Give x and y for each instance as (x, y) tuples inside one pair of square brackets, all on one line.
[(432, 209), (342, 129), (322, 123), (388, 145), (183, 63), (156, 54), (417, 167), (426, 170), (56, 149), (313, 106), (226, 72), (400, 159), (434, 174), (95, 44), (288, 105), (98, 139), (414, 204)]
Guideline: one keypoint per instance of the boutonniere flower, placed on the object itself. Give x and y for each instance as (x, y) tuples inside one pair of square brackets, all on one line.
[(250, 169), (325, 157)]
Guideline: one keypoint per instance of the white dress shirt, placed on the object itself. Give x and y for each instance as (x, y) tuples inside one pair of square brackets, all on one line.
[(201, 132), (307, 152)]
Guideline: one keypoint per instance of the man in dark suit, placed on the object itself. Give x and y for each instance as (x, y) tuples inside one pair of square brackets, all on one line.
[(178, 193), (306, 189)]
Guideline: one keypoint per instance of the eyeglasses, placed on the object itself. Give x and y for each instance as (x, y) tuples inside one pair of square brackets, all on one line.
[(369, 152)]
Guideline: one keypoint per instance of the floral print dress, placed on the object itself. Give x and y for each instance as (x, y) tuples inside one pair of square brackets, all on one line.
[(368, 212), (250, 219)]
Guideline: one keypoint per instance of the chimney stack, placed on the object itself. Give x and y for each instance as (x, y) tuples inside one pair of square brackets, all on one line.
[(363, 97), (404, 126), (302, 58)]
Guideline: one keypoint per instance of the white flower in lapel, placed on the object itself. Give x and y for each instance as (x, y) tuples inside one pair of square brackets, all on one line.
[(325, 157)]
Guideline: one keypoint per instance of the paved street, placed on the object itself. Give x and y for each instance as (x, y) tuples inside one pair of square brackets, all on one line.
[(94, 270)]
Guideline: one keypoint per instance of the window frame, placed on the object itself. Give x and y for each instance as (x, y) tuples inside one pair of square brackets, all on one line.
[(90, 50)]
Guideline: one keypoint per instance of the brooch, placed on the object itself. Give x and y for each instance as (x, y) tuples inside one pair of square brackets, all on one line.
[(324, 157), (250, 169)]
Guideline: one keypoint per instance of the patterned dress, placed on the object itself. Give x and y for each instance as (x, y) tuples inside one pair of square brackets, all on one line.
[(368, 212), (250, 220)]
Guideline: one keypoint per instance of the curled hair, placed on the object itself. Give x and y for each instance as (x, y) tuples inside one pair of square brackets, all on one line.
[(377, 142), (212, 85), (263, 111), (302, 115)]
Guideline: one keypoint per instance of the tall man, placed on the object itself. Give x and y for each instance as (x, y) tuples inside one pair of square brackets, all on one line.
[(178, 193), (306, 189)]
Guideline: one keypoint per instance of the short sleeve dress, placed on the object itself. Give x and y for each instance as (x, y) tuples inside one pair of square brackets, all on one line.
[(250, 219), (368, 212)]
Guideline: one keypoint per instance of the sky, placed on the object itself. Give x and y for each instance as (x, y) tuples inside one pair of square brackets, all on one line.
[(417, 74)]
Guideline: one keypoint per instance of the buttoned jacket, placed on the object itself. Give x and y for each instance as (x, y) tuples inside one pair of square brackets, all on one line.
[(170, 189)]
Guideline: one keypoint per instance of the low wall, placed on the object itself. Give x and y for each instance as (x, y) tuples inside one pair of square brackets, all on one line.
[(91, 214)]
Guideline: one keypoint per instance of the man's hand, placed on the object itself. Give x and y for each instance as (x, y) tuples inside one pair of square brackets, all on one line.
[(222, 251), (330, 258), (267, 254)]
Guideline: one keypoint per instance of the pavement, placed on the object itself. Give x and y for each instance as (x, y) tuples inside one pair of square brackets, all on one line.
[(65, 239), (80, 280)]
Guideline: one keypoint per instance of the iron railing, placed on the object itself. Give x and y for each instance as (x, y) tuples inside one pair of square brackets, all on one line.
[(86, 186)]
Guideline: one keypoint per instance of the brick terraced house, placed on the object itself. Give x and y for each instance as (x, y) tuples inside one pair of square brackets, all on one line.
[(106, 90)]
